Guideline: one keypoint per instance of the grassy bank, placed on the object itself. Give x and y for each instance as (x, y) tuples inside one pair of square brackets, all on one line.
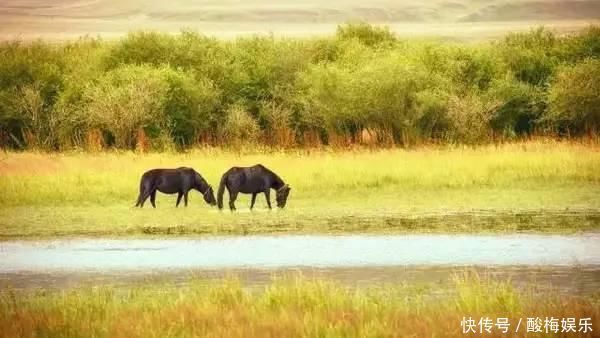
[(290, 307), (535, 186)]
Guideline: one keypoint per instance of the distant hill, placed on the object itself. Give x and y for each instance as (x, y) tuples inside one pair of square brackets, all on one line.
[(231, 17)]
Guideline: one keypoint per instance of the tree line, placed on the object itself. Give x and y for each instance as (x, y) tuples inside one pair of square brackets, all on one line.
[(361, 85)]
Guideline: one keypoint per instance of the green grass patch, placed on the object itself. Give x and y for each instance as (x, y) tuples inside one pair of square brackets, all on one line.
[(539, 187)]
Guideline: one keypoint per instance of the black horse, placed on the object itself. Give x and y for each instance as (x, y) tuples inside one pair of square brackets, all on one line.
[(171, 181), (252, 180)]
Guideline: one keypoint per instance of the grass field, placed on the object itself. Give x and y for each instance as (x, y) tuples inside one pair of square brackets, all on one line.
[(462, 19), (290, 307), (541, 186)]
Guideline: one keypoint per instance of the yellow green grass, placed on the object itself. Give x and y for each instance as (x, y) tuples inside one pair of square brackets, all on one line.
[(290, 307), (542, 186)]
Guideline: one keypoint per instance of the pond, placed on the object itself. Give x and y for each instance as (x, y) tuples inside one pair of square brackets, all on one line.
[(568, 262), (294, 251)]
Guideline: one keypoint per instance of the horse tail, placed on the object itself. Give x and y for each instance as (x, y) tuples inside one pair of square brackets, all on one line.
[(139, 199), (221, 190)]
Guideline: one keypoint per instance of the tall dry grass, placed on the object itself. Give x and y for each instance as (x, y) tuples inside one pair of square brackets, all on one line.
[(290, 307)]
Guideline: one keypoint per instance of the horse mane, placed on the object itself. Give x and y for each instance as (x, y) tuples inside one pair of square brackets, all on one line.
[(200, 180), (278, 181)]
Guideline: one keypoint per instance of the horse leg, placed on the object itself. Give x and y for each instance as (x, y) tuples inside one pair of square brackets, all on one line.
[(153, 198), (185, 197), (253, 200), (268, 197), (232, 197), (179, 196)]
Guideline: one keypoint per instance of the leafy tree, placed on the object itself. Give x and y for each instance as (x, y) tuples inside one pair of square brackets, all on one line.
[(574, 97)]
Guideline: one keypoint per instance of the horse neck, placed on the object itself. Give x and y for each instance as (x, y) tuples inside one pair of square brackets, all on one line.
[(277, 182), (200, 183)]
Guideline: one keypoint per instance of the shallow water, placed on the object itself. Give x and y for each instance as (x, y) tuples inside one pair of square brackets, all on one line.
[(568, 264), (298, 251)]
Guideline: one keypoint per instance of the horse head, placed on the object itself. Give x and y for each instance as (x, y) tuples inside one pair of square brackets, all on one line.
[(209, 196), (282, 195)]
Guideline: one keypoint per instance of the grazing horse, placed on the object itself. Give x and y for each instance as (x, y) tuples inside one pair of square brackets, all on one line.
[(171, 181), (252, 180)]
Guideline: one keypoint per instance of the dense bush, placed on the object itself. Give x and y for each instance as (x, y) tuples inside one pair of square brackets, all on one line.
[(366, 34), (574, 98), (361, 85), (30, 82), (531, 57)]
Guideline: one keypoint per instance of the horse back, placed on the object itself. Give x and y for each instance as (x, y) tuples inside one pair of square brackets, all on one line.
[(169, 174), (249, 179)]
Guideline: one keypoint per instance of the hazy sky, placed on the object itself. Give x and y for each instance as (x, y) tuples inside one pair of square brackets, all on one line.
[(469, 19)]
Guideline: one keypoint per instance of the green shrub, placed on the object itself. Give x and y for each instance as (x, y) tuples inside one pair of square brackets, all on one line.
[(472, 69), (125, 100), (434, 122), (584, 44), (469, 118), (520, 106), (365, 33), (530, 56), (574, 97), (188, 51), (30, 82), (191, 105), (240, 127), (379, 94)]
